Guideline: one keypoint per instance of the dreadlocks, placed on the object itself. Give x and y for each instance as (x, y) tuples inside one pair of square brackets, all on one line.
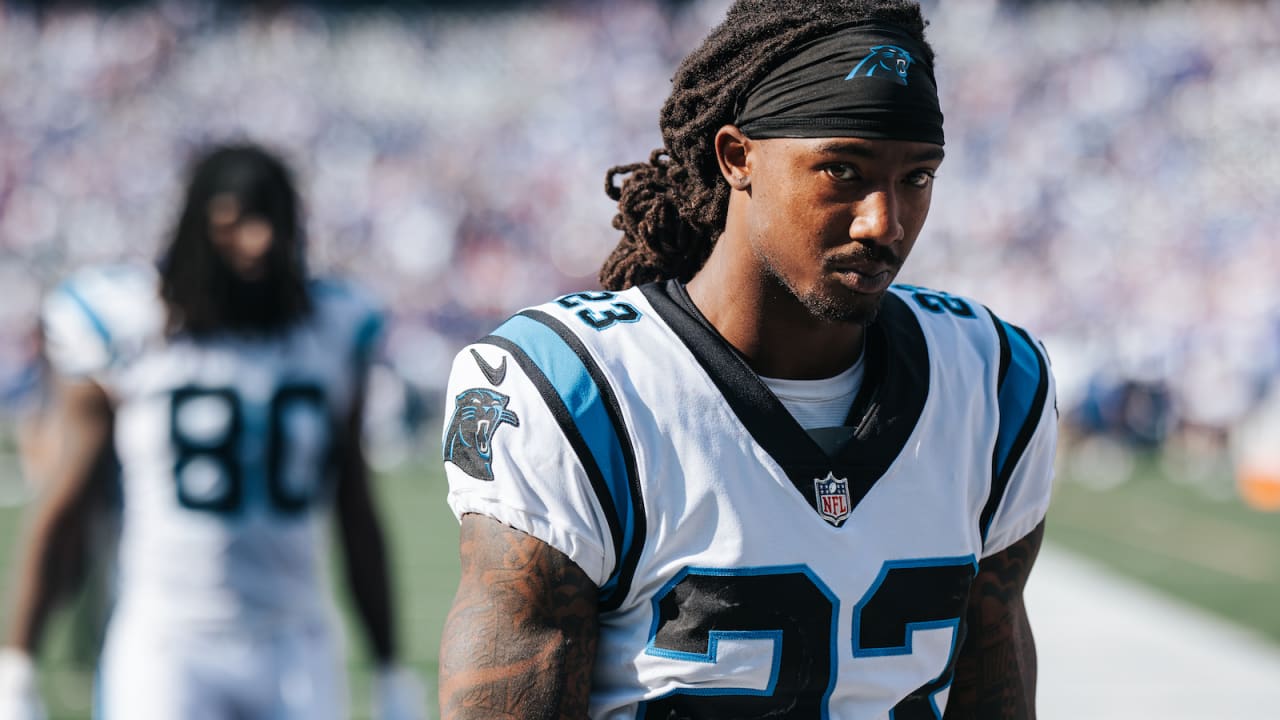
[(672, 208), (202, 294)]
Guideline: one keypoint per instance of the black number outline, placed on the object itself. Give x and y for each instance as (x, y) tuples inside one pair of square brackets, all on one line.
[(938, 302), (281, 499), (186, 450), (226, 450), (954, 575), (713, 637), (600, 319), (609, 317), (967, 565)]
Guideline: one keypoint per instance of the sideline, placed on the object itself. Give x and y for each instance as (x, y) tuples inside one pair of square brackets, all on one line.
[(1111, 649)]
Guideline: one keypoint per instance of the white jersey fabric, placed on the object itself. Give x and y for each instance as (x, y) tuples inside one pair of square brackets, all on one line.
[(224, 446), (748, 568), (152, 671)]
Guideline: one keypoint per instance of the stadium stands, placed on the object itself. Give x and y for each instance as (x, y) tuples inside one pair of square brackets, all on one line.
[(1107, 182)]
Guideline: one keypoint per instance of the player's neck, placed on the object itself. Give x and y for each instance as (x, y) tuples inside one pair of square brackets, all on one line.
[(779, 337)]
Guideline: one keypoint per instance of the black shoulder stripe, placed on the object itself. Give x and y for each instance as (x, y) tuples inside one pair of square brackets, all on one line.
[(1022, 391), (590, 412), (567, 425)]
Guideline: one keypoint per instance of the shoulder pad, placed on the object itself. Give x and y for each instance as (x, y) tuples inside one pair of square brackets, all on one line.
[(99, 316)]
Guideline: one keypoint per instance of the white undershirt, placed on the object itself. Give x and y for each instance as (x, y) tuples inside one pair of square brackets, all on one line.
[(819, 403)]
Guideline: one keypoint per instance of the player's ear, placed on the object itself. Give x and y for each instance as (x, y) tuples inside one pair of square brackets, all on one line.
[(733, 151)]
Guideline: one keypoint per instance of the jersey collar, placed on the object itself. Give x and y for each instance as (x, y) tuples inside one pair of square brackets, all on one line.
[(880, 421)]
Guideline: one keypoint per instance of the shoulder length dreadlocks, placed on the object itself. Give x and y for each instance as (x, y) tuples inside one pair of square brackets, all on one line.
[(202, 294), (672, 208)]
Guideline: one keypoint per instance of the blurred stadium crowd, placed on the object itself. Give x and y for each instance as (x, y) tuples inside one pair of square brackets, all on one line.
[(1110, 182)]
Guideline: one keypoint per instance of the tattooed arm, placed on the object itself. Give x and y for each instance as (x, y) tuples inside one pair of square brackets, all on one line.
[(995, 675), (520, 638)]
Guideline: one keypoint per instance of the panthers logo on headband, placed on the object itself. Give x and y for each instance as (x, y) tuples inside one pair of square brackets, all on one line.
[(476, 416), (887, 61)]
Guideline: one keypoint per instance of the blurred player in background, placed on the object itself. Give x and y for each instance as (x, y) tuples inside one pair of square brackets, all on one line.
[(90, 572), (751, 479), (233, 386)]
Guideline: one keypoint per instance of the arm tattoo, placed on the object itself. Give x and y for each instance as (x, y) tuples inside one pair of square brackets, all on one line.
[(520, 639), (995, 676)]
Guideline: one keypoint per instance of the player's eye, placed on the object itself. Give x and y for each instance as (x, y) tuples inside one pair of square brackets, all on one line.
[(921, 178), (841, 172)]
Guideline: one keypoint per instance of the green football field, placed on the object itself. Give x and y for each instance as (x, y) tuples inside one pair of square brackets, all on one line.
[(1204, 547), (1177, 524), (422, 535)]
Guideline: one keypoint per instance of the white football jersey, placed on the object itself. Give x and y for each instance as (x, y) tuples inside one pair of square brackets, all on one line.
[(748, 568), (224, 444)]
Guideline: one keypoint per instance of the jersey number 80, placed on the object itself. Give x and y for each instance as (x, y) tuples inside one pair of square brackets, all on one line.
[(209, 435)]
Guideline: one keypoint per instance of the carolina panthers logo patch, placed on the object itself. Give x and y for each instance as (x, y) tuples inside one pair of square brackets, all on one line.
[(477, 414), (886, 61)]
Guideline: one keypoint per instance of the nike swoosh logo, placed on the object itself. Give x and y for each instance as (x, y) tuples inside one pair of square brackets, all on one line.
[(495, 375)]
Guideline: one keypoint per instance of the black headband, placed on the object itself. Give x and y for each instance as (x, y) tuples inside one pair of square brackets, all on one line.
[(867, 81)]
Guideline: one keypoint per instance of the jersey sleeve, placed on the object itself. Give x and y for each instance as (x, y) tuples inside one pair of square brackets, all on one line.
[(507, 456), (76, 338), (1026, 445), (98, 318)]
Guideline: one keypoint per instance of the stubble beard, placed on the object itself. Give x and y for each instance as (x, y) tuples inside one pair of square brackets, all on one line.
[(861, 311), (854, 309)]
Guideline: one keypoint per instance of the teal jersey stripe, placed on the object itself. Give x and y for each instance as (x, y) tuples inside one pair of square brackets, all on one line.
[(1021, 398), (1017, 394), (99, 326), (585, 402)]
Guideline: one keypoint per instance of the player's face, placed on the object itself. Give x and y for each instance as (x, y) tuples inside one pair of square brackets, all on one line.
[(833, 219), (242, 240)]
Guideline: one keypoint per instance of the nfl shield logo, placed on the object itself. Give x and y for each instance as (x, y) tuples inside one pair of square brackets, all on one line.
[(833, 498)]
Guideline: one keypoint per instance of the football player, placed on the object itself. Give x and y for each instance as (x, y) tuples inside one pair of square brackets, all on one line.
[(232, 386), (752, 478)]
